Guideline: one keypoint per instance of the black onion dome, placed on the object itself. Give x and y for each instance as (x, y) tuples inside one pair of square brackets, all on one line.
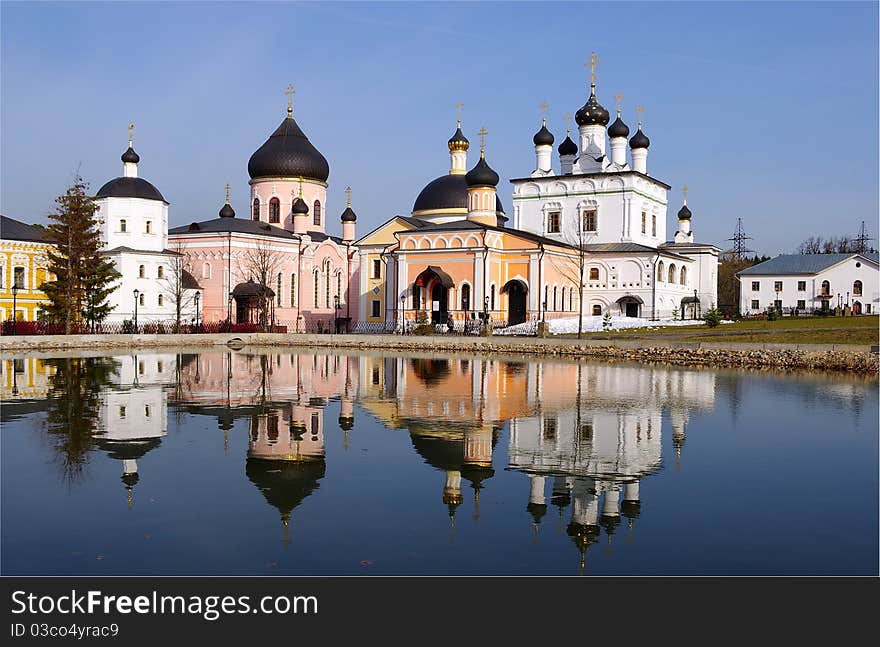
[(458, 142), (130, 157), (300, 207), (288, 153), (684, 213), (349, 215), (618, 128), (568, 147), (447, 192), (592, 113), (227, 211), (481, 175), (543, 137), (130, 187), (639, 140)]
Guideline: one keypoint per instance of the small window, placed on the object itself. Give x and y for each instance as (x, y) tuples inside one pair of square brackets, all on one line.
[(653, 225), (756, 286), (826, 288), (18, 277), (756, 305), (777, 286), (161, 272), (778, 305), (376, 306), (644, 222), (597, 310), (141, 368), (553, 219), (274, 210), (161, 300), (147, 411), (160, 366), (465, 297), (801, 304), (802, 286), (122, 411), (684, 276), (492, 298), (256, 211), (149, 229), (278, 293), (142, 272), (142, 300), (206, 271), (375, 375), (594, 273), (316, 211), (857, 289), (123, 226), (550, 428), (589, 220), (377, 268)]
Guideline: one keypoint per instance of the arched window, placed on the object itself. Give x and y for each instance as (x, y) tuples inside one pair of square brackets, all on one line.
[(274, 210), (857, 289), (826, 288), (571, 299), (160, 273), (554, 298), (339, 287), (465, 297), (292, 290), (317, 286), (546, 294), (660, 268), (278, 291), (316, 210), (594, 273), (206, 271), (142, 299), (161, 300), (672, 273), (142, 272), (597, 310), (684, 276), (256, 213), (492, 298), (327, 284)]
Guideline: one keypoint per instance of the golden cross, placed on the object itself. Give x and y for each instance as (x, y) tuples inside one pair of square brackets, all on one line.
[(348, 194), (593, 62), (130, 134), (684, 190), (640, 109), (227, 193), (482, 132), (544, 106), (567, 123), (619, 98), (289, 92), (458, 105)]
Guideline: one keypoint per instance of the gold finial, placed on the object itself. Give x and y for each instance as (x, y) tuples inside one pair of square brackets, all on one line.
[(289, 92), (544, 107), (567, 124), (684, 190), (458, 106), (619, 98), (593, 63), (227, 192), (348, 195), (482, 132), (130, 134), (640, 109)]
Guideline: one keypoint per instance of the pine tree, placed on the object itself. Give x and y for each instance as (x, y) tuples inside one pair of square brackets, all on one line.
[(83, 277)]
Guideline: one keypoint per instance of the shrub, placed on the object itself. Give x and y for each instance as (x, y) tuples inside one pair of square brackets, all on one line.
[(712, 317), (606, 321), (772, 314)]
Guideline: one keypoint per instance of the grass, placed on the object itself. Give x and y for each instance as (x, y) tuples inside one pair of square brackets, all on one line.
[(795, 330)]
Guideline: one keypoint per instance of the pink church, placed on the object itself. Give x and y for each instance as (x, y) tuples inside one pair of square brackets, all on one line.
[(278, 266)]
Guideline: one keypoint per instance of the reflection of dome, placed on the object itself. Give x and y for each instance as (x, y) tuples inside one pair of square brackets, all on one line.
[(537, 510), (476, 474), (446, 454), (630, 509), (430, 371), (583, 536), (288, 153), (346, 423), (285, 484), (127, 449), (446, 192)]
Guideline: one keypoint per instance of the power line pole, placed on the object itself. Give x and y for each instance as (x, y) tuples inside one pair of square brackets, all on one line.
[(860, 242), (739, 241)]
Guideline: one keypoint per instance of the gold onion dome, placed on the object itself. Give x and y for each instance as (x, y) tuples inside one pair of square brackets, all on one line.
[(458, 142)]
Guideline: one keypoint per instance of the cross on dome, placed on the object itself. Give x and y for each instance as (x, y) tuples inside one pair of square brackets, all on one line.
[(593, 63), (458, 105), (289, 92)]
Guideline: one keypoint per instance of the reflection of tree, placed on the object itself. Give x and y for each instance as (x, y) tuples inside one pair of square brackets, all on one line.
[(74, 406)]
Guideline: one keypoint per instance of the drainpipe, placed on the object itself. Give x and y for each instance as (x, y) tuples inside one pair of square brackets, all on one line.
[(541, 280), (485, 268), (299, 282), (654, 288)]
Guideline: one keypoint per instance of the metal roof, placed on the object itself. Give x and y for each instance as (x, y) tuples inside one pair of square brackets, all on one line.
[(801, 263)]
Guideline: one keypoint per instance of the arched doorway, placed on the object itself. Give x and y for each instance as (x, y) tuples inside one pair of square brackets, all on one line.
[(516, 301), (630, 305), (435, 284), (254, 303), (857, 308)]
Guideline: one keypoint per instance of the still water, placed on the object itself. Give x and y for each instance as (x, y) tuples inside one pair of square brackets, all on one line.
[(232, 463)]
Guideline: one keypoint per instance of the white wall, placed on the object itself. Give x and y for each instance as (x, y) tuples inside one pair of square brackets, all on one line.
[(136, 212)]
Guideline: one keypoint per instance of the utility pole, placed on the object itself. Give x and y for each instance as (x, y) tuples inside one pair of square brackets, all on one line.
[(739, 241), (860, 242)]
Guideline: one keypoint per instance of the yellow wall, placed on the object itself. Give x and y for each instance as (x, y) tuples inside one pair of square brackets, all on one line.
[(31, 256), (376, 287)]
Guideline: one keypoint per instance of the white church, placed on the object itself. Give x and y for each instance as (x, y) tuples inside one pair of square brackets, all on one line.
[(615, 209)]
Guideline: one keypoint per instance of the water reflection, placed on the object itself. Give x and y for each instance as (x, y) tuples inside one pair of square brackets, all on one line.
[(581, 438)]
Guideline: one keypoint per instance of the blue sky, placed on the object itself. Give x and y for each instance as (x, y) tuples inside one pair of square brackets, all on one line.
[(769, 112)]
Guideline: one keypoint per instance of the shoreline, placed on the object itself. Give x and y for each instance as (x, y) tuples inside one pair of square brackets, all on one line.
[(819, 357)]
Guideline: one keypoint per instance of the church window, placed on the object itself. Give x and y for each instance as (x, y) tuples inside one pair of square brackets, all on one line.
[(377, 269), (142, 299), (684, 276), (256, 212), (644, 222), (857, 289), (826, 288), (206, 271), (161, 272), (149, 228), (376, 306), (590, 221), (594, 273), (317, 287), (272, 428), (122, 226), (18, 277), (554, 297), (553, 222), (147, 411), (465, 297), (338, 287), (492, 298), (161, 300), (597, 310), (316, 211), (653, 224), (672, 273), (660, 272), (122, 412), (141, 272), (802, 286), (292, 290), (327, 284), (274, 210), (278, 291)]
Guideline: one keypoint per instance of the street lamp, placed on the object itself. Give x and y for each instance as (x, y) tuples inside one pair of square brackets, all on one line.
[(136, 295), (696, 302), (198, 295), (229, 309), (403, 314), (15, 289), (336, 312)]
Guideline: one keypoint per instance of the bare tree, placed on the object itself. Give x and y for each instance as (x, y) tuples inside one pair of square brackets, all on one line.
[(259, 264), (178, 282), (812, 245), (573, 266)]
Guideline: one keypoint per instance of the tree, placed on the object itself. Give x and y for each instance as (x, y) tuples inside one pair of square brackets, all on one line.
[(178, 282), (83, 277), (812, 245), (259, 264), (573, 266)]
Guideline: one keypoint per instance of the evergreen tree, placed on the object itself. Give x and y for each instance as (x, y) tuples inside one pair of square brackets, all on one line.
[(83, 277)]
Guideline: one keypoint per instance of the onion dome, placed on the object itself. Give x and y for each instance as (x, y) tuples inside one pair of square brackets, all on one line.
[(444, 193), (130, 187), (227, 211), (481, 175), (684, 213), (458, 142), (567, 147), (300, 208), (130, 157), (639, 140), (349, 215), (288, 153), (592, 113), (543, 137), (618, 128)]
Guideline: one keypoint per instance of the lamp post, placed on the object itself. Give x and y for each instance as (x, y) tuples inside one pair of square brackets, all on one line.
[(14, 301), (403, 314), (136, 295), (198, 295), (336, 312), (696, 303), (229, 309)]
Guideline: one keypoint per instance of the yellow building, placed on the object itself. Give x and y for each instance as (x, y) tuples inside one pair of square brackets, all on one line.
[(24, 263)]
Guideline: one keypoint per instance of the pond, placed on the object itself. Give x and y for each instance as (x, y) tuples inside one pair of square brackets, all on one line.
[(317, 463)]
